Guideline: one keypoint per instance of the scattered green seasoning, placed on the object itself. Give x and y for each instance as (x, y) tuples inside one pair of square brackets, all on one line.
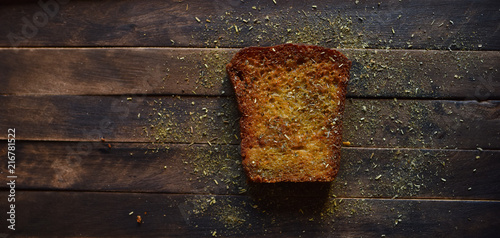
[(211, 130)]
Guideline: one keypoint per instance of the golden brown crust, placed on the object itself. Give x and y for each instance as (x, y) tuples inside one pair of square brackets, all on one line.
[(291, 98)]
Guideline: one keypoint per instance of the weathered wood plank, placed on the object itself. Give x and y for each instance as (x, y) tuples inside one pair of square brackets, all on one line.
[(465, 24), (422, 124), (110, 214), (127, 119), (186, 71), (105, 71), (195, 169), (168, 119)]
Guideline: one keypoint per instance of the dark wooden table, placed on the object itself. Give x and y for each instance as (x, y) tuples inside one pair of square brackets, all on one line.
[(123, 109)]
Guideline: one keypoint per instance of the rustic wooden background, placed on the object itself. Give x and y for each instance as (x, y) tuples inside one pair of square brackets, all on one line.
[(122, 108)]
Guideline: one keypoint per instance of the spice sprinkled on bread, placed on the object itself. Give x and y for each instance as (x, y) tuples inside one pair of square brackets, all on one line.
[(291, 98)]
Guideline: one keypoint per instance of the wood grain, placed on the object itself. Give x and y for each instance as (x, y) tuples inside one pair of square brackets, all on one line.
[(465, 24), (114, 214), (169, 119), (186, 71), (119, 111), (202, 169)]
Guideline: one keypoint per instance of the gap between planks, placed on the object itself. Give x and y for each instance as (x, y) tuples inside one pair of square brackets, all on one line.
[(238, 144), (457, 99), (423, 199)]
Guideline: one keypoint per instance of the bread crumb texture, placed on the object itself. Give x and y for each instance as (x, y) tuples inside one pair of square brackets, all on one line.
[(291, 98)]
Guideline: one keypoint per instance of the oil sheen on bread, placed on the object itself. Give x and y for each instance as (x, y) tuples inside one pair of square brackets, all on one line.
[(291, 99)]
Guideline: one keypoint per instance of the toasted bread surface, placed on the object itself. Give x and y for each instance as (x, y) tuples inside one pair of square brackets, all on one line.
[(291, 99)]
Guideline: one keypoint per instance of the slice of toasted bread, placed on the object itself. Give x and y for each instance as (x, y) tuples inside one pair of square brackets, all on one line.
[(291, 98)]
